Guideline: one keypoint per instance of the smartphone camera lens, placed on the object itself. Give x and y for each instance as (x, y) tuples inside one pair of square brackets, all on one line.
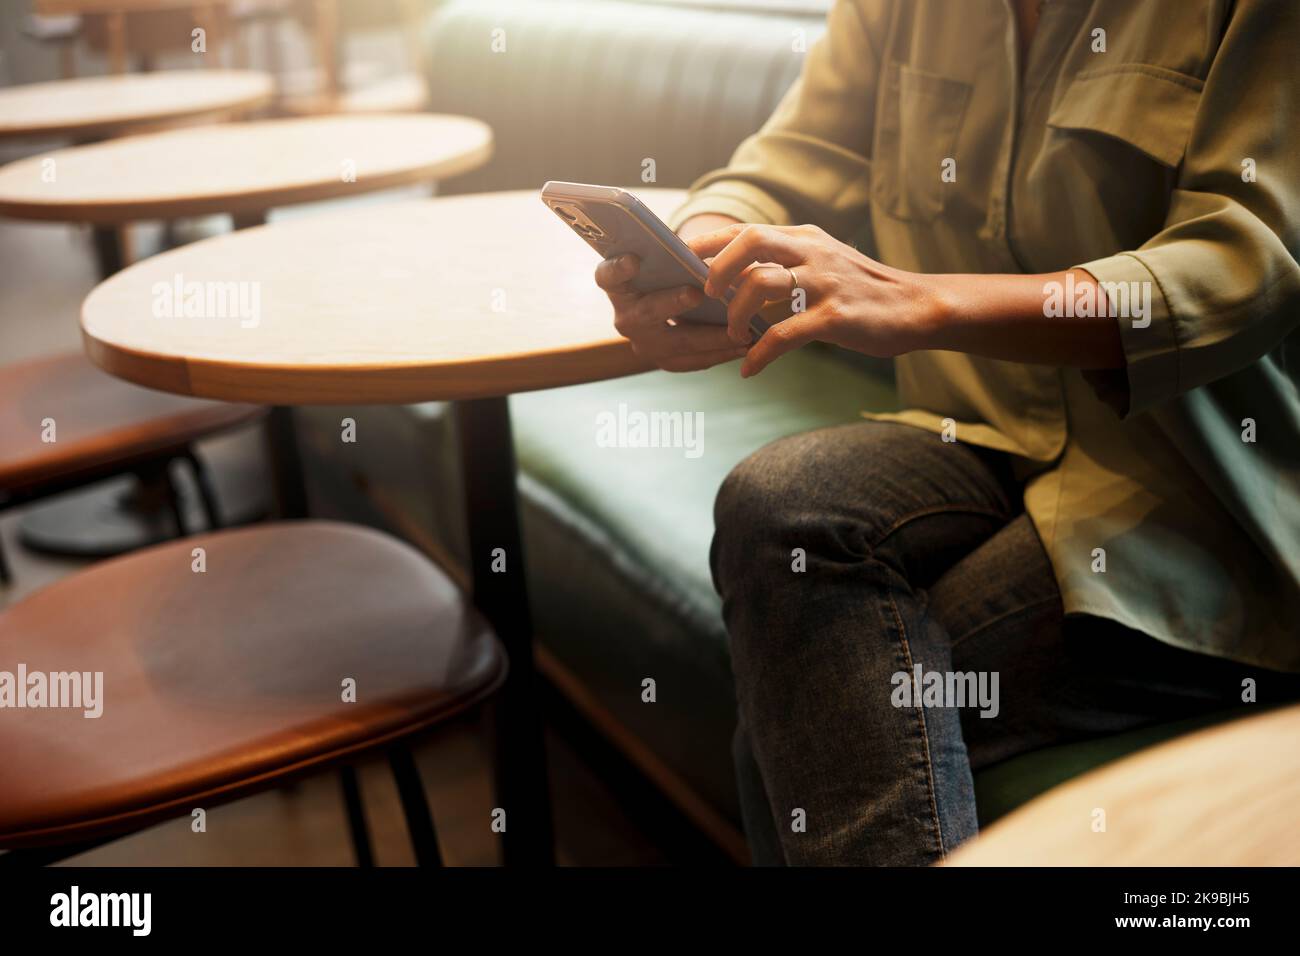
[(580, 222)]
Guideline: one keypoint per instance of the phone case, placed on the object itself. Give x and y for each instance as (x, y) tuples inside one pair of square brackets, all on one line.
[(614, 222)]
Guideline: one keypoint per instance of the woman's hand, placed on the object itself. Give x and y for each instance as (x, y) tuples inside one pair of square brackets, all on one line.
[(643, 319), (836, 293)]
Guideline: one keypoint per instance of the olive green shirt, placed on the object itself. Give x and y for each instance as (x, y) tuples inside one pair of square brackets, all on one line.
[(1153, 142)]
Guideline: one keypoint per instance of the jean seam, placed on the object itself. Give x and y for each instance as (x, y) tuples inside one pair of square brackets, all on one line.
[(937, 510), (920, 717), (1003, 616)]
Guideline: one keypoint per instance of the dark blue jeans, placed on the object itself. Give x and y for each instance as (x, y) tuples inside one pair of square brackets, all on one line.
[(852, 559)]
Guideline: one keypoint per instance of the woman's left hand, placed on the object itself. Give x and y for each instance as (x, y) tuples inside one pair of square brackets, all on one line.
[(837, 294)]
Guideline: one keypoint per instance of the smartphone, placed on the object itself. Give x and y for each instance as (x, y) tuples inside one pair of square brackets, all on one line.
[(614, 222)]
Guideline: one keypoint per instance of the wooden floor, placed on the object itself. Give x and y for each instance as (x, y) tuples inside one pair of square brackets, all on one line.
[(605, 814)]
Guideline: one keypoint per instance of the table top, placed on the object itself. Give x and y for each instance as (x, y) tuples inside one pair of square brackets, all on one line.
[(462, 297), (240, 167), (1225, 796), (95, 106)]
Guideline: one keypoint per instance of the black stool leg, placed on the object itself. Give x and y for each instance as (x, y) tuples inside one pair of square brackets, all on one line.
[(207, 492), (419, 822), (356, 817)]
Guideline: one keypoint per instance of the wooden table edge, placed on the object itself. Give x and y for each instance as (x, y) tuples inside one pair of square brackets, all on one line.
[(154, 123), (378, 384)]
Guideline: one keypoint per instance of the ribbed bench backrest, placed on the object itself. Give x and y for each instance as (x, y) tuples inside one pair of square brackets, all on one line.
[(587, 92)]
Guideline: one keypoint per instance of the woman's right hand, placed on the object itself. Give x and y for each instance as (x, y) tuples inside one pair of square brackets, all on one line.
[(643, 318)]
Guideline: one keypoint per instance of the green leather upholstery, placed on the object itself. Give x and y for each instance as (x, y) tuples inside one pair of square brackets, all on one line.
[(617, 540)]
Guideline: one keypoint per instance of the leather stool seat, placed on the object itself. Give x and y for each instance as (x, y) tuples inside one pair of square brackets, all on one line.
[(102, 424), (232, 679)]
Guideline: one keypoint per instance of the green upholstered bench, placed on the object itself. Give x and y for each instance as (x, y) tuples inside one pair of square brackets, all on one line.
[(620, 568)]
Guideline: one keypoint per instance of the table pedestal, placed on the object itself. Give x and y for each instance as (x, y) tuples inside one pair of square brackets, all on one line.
[(286, 464), (501, 594)]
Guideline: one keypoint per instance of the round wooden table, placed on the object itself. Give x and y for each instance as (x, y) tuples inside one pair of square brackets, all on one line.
[(468, 298), (463, 297), (241, 168), (1224, 796), (95, 107)]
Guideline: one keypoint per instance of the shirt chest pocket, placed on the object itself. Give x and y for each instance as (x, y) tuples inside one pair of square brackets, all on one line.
[(1148, 108), (917, 122)]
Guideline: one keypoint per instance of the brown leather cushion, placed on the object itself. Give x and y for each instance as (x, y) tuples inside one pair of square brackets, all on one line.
[(222, 682), (100, 421)]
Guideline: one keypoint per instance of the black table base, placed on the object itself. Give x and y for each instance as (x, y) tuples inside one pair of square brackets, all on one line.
[(500, 592)]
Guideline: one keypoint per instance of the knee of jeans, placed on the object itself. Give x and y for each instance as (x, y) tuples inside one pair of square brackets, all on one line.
[(759, 504)]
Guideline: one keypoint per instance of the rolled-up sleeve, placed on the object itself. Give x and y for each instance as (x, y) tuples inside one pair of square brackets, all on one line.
[(1222, 273), (809, 162)]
